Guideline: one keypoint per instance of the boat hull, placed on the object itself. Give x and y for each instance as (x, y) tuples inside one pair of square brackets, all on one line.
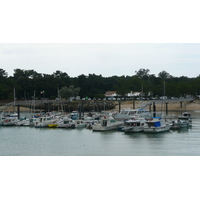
[(157, 129)]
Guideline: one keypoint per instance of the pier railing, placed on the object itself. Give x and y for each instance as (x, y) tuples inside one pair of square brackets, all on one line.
[(35, 103), (164, 101)]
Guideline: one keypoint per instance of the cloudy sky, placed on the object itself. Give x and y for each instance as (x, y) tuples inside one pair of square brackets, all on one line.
[(105, 37), (107, 59)]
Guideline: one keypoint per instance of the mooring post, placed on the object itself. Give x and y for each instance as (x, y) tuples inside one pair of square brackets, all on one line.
[(45, 107), (18, 111), (154, 109), (79, 106), (119, 106), (166, 108), (150, 108), (181, 104), (133, 104), (83, 108)]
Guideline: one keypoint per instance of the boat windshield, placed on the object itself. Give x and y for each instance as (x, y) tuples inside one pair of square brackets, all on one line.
[(123, 112), (132, 112), (104, 123)]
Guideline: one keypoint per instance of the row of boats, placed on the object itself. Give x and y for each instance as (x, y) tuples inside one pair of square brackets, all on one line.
[(128, 120)]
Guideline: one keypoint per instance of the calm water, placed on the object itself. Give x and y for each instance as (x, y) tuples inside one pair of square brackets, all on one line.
[(30, 141)]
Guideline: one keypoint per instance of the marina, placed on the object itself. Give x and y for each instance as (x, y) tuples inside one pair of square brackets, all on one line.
[(31, 141), (129, 132)]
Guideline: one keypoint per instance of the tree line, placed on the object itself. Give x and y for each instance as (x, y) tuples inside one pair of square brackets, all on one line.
[(29, 84)]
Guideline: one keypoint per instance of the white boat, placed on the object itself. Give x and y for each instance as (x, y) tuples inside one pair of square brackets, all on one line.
[(80, 124), (42, 122), (74, 115), (134, 125), (183, 121), (127, 113), (156, 125), (10, 121), (23, 122), (2, 118), (66, 122), (107, 123)]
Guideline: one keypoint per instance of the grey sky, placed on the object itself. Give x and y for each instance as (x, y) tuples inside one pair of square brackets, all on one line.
[(107, 59)]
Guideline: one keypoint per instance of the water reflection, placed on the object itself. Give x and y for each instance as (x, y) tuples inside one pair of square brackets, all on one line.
[(157, 135), (134, 135)]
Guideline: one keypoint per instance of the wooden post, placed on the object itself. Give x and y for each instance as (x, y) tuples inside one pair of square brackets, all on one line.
[(18, 111), (154, 109), (119, 106), (150, 108), (166, 108), (133, 104)]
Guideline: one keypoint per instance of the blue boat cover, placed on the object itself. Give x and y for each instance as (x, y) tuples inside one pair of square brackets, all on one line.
[(157, 124)]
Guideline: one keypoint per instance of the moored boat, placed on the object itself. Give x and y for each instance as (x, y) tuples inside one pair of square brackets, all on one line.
[(134, 125), (156, 125), (107, 123), (10, 121), (127, 113), (183, 121)]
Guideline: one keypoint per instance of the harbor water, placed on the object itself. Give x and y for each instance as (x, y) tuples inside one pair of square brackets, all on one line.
[(30, 141)]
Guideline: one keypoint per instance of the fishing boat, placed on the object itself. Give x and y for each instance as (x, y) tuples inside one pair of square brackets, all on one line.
[(107, 123), (10, 121), (183, 121), (157, 124), (23, 122), (127, 113), (66, 122), (134, 125), (80, 124), (42, 122)]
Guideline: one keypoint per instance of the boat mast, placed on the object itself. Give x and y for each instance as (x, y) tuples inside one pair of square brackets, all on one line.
[(14, 99), (59, 100), (34, 102)]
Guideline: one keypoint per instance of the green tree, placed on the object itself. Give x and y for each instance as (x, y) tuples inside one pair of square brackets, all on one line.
[(70, 91)]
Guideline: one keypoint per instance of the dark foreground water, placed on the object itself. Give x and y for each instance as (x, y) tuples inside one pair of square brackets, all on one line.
[(30, 141)]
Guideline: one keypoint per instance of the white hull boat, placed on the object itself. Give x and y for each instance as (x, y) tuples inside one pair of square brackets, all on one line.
[(183, 121), (127, 113), (134, 125), (10, 121), (157, 125), (107, 124)]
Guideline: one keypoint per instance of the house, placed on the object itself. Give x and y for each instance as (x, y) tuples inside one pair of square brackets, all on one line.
[(134, 94), (111, 94)]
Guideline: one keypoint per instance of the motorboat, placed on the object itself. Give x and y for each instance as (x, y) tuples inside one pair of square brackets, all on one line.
[(107, 123), (10, 121), (42, 122), (183, 121), (66, 122), (23, 122), (127, 113), (157, 124), (134, 125), (80, 124)]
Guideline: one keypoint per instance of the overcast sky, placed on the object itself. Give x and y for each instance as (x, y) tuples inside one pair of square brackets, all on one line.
[(107, 59), (105, 37)]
